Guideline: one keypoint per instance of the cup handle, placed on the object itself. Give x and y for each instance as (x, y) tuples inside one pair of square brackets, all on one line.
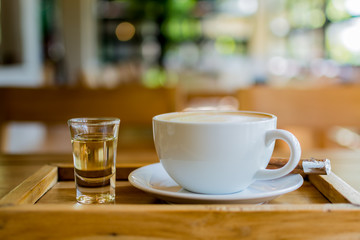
[(295, 154)]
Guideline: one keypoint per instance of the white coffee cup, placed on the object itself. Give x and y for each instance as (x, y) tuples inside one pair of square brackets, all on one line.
[(220, 152)]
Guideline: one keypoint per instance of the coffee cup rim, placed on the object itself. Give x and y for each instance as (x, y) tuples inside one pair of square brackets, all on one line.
[(267, 117)]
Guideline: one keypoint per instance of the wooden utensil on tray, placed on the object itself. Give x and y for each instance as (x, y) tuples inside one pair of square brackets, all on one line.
[(305, 166)]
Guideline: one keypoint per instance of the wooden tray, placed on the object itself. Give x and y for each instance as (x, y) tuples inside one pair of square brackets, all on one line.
[(44, 207)]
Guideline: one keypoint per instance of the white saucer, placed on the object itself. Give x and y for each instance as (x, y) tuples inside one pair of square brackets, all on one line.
[(154, 179)]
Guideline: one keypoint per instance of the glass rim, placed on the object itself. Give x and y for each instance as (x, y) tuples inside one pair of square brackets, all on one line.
[(94, 121)]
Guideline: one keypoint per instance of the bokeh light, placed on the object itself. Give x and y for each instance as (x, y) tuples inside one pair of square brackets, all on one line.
[(280, 26), (352, 7), (125, 31), (342, 41), (225, 45)]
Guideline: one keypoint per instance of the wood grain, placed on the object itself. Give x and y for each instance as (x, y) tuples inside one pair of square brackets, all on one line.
[(59, 180), (180, 222), (30, 190), (302, 214), (335, 189), (64, 193)]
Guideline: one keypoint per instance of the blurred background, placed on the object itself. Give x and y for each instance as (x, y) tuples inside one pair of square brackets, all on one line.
[(198, 46)]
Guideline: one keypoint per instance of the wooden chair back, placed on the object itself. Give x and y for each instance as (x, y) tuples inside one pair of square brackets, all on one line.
[(135, 105), (314, 109)]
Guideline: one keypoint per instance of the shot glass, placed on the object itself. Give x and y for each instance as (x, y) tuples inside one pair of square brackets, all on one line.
[(94, 144)]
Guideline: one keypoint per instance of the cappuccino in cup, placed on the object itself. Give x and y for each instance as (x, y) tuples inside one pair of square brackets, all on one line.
[(211, 117), (219, 152)]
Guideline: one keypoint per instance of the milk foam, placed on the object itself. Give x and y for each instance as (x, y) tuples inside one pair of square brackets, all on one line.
[(211, 118)]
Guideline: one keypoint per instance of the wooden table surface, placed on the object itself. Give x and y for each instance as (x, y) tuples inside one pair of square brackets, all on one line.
[(16, 168), (143, 220)]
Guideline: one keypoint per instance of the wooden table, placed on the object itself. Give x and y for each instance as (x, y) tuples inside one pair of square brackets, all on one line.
[(15, 168), (312, 215)]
